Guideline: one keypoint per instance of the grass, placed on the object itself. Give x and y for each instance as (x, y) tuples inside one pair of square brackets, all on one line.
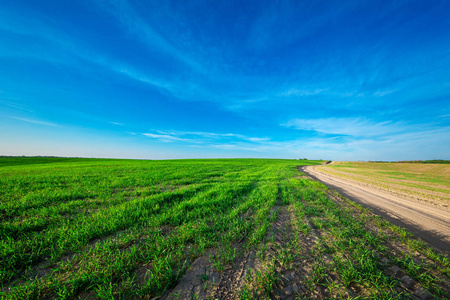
[(348, 257), (75, 228)]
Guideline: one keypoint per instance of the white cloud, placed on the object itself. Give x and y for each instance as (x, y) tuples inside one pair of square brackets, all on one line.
[(257, 140), (335, 92), (75, 47), (302, 92), (415, 144), (426, 144), (165, 137), (235, 147), (358, 127), (383, 93), (117, 123), (34, 121), (15, 105), (141, 29), (199, 137)]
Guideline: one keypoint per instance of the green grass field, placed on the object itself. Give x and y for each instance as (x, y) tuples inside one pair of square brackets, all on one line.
[(125, 229)]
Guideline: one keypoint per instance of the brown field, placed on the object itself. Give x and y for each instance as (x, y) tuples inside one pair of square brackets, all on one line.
[(425, 182)]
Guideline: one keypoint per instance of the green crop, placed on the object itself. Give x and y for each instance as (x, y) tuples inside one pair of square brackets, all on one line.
[(126, 229)]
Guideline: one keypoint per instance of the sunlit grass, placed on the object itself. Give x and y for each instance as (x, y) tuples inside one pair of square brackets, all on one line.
[(131, 229)]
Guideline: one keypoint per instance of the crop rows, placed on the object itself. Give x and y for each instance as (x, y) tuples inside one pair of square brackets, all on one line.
[(199, 228)]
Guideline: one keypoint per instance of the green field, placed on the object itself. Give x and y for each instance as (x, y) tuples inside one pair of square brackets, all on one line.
[(126, 229)]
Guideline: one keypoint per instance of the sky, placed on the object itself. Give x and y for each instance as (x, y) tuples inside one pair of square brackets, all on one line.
[(338, 80)]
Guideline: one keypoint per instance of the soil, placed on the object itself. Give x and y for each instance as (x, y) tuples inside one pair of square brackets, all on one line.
[(431, 223), (425, 191)]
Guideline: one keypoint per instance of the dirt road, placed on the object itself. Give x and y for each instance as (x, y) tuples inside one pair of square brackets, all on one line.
[(430, 223)]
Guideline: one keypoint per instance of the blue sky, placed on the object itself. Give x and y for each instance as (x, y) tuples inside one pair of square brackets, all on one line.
[(340, 80)]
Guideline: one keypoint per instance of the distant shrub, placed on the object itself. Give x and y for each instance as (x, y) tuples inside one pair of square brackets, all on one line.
[(433, 161)]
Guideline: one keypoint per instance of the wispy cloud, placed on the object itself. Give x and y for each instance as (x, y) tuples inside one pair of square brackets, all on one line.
[(202, 137), (34, 121), (166, 137), (341, 93), (211, 135), (420, 144), (70, 47), (302, 92), (239, 147), (363, 139), (383, 93), (15, 105), (142, 30), (116, 123), (358, 127), (424, 143)]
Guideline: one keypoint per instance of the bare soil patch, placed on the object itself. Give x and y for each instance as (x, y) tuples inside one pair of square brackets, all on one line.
[(437, 194), (429, 222)]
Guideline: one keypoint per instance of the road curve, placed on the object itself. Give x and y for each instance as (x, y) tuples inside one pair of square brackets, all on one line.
[(430, 223)]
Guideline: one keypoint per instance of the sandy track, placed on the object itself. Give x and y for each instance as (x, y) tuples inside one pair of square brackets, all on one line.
[(430, 223)]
